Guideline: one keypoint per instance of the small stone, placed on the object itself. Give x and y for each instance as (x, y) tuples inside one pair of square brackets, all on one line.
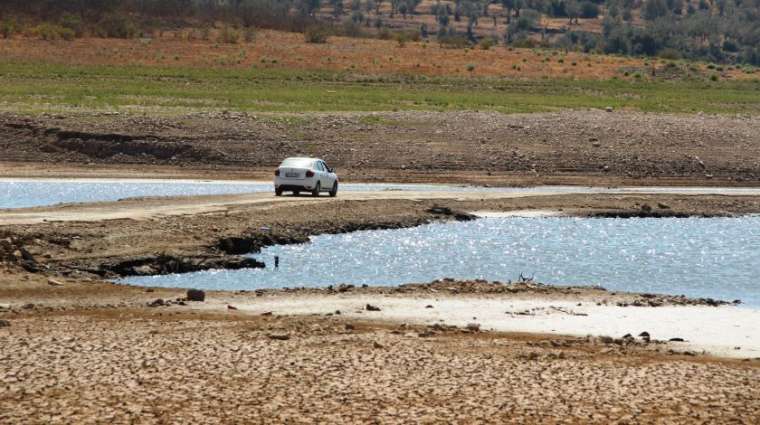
[(53, 282), (231, 307), (157, 303), (371, 307), (279, 337), (428, 306), (196, 295), (473, 327), (4, 323), (349, 327), (677, 340), (608, 109), (645, 336), (376, 344)]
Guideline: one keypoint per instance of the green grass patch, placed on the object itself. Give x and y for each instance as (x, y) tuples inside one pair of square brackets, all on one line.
[(42, 87)]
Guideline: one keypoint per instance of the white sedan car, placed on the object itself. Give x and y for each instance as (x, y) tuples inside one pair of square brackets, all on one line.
[(305, 175)]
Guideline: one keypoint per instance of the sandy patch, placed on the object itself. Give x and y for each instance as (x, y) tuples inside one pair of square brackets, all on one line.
[(715, 330)]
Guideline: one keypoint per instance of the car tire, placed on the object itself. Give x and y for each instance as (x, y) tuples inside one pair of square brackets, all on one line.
[(334, 190), (296, 192), (317, 189), (278, 192)]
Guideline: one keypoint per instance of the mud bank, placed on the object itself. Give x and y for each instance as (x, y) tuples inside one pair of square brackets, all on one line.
[(574, 147)]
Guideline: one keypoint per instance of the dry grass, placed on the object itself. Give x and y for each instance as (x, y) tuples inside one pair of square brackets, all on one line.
[(281, 50)]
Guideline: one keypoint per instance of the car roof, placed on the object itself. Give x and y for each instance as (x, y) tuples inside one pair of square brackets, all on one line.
[(302, 157)]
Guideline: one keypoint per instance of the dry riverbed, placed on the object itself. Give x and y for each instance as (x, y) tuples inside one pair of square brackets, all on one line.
[(213, 362), (75, 348)]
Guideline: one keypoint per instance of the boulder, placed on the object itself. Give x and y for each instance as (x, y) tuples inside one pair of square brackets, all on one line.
[(196, 295)]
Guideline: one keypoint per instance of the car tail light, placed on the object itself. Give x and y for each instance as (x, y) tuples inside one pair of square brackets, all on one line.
[(277, 172), (310, 173)]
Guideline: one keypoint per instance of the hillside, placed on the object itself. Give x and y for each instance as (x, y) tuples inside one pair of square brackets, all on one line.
[(722, 31)]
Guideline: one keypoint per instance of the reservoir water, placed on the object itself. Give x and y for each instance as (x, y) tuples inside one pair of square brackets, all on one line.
[(698, 257), (25, 193), (20, 193)]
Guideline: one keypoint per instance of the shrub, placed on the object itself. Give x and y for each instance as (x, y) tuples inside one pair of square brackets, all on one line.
[(670, 53), (470, 67), (228, 35), (401, 39), (384, 34), (487, 43), (454, 41), (116, 26), (350, 28), (73, 23), (8, 27), (249, 34), (51, 32), (316, 34), (714, 77)]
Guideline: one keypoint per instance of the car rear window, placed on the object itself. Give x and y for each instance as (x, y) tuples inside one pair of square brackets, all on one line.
[(297, 163)]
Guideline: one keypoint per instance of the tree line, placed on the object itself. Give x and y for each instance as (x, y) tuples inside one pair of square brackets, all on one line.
[(714, 30)]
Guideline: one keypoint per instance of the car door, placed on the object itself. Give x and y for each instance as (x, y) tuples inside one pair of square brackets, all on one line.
[(322, 174), (329, 177)]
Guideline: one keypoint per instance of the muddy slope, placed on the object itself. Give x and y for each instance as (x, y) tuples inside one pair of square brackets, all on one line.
[(598, 144)]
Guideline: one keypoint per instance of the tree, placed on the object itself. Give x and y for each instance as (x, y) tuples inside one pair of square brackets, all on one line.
[(589, 10), (654, 9)]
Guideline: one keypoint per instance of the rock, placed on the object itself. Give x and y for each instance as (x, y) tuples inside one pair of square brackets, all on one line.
[(458, 216), (4, 323), (677, 340), (376, 344), (231, 307), (157, 303), (608, 109), (144, 270), (645, 336), (196, 295), (53, 282), (425, 334), (428, 306), (473, 327), (370, 307), (349, 327), (663, 206), (5, 307), (279, 337)]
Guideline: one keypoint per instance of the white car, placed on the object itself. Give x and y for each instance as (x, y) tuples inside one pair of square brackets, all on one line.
[(305, 175)]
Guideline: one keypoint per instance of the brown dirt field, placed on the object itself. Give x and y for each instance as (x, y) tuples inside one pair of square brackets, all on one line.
[(168, 365), (574, 147), (355, 55)]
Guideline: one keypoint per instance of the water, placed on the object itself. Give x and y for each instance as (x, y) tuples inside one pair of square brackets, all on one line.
[(698, 257), (25, 193), (17, 193)]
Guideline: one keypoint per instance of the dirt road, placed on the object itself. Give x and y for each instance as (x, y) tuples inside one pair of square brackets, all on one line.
[(153, 207)]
